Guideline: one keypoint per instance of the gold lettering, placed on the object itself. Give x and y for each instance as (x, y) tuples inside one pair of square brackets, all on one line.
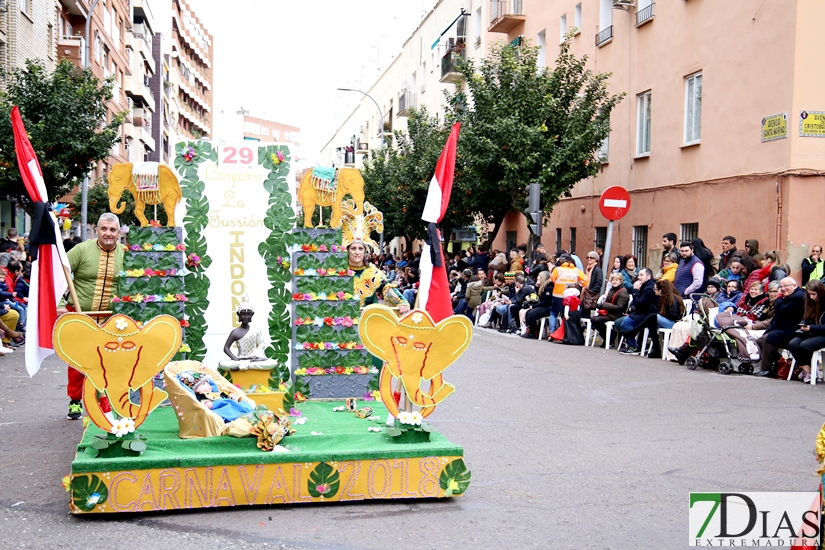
[(124, 476)]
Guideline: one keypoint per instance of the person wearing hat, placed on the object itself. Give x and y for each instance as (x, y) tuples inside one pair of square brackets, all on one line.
[(713, 287), (370, 283)]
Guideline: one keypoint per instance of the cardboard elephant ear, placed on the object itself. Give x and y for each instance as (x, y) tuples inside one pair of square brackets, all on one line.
[(118, 355), (377, 326), (453, 336)]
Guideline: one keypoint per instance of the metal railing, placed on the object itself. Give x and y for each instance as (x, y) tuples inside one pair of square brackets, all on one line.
[(500, 8), (455, 52), (604, 36), (406, 101), (644, 14)]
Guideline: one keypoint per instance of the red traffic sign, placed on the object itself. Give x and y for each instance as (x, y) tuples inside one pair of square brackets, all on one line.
[(614, 203)]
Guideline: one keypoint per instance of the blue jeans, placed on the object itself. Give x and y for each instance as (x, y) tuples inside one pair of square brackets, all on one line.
[(627, 325), (409, 295), (664, 322), (461, 307), (556, 311), (21, 309), (504, 311)]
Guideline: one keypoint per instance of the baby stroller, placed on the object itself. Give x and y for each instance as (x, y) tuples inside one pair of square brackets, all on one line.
[(717, 349)]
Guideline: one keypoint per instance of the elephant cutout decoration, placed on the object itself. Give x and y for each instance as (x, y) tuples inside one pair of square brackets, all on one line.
[(415, 350), (149, 183), (117, 357), (327, 187)]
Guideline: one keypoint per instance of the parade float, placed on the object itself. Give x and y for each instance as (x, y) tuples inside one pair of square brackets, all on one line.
[(321, 401)]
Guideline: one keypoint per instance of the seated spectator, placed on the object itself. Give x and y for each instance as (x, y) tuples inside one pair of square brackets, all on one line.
[(728, 252), (516, 261), (788, 311), (812, 266), (671, 310), (10, 242), (690, 275), (629, 272), (617, 264), (670, 262), (14, 271), (729, 295), (811, 334), (752, 250), (612, 305), (475, 290), (645, 302), (541, 308), (520, 300), (539, 255), (411, 276), (772, 266), (459, 294), (562, 276), (595, 277), (734, 272), (495, 299)]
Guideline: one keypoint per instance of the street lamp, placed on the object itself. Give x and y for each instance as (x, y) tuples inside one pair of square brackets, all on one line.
[(380, 112)]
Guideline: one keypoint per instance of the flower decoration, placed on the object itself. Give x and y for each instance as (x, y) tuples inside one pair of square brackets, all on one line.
[(193, 260), (417, 317), (121, 324), (123, 426), (373, 429), (93, 498), (376, 394), (146, 247), (184, 323), (339, 369), (410, 418), (295, 412), (184, 348), (154, 223), (299, 397), (283, 262), (318, 346), (277, 158), (368, 397), (135, 248), (188, 154), (66, 481)]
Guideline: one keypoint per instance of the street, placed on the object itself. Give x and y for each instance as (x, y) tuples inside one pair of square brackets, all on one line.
[(568, 447)]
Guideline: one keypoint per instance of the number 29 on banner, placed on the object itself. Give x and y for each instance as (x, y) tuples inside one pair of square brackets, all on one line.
[(236, 155)]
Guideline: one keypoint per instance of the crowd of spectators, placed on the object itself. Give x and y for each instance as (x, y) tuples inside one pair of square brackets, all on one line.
[(15, 272), (760, 306)]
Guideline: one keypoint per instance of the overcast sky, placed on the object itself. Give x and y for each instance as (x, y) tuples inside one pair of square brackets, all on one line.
[(288, 58)]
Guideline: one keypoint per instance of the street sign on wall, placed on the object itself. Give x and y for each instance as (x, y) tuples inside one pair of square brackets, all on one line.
[(812, 123), (775, 127)]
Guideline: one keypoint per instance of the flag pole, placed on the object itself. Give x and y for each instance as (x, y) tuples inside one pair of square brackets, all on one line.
[(72, 292)]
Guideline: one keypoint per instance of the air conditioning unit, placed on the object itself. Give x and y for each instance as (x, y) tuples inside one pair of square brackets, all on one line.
[(623, 4)]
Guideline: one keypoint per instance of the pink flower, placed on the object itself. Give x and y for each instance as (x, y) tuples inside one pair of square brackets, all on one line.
[(322, 488), (294, 412)]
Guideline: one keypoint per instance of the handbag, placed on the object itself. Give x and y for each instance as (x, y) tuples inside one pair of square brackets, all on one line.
[(589, 299)]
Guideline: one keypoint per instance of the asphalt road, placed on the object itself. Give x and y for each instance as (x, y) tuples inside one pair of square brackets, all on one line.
[(568, 447)]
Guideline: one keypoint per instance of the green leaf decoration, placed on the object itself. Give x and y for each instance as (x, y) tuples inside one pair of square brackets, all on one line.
[(138, 446), (302, 385), (91, 452), (100, 444), (323, 481), (88, 491), (393, 432), (454, 478)]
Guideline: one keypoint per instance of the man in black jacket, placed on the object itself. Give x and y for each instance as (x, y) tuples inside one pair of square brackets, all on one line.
[(522, 291), (787, 313), (645, 303)]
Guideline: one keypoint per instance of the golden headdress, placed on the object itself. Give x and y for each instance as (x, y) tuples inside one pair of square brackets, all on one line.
[(358, 227)]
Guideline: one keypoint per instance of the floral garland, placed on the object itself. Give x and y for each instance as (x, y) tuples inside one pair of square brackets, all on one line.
[(188, 154), (322, 296), (328, 321), (193, 261), (319, 371), (140, 298), (146, 247), (283, 262), (327, 346), (321, 272), (321, 248), (277, 157), (149, 272)]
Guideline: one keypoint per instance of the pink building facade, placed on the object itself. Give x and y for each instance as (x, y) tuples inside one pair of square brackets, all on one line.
[(708, 84)]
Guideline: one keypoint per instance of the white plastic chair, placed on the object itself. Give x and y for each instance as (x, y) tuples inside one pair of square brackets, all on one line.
[(589, 326), (643, 350), (542, 325)]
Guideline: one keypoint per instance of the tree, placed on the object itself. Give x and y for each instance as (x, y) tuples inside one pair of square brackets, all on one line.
[(524, 124), (65, 115), (397, 178)]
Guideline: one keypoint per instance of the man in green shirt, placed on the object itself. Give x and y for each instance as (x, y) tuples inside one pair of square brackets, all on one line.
[(95, 267)]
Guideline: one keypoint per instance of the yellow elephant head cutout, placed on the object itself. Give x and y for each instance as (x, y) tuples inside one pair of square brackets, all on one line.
[(415, 350), (117, 357)]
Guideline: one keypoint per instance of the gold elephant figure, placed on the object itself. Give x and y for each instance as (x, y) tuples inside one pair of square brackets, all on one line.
[(350, 183), (167, 192), (415, 350), (117, 357)]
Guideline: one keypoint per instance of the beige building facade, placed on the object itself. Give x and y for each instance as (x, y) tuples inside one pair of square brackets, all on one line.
[(708, 140), (191, 65)]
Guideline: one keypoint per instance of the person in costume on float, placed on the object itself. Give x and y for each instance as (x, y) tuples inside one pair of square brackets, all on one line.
[(369, 283), (228, 407), (249, 341), (95, 265)]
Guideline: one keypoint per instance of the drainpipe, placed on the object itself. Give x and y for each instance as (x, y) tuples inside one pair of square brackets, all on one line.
[(778, 213), (84, 187)]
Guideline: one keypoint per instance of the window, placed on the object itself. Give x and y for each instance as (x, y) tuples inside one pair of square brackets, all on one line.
[(562, 27), (572, 240), (643, 125), (605, 14), (264, 131), (601, 238), (688, 231), (693, 109), (644, 12), (51, 41), (577, 19), (477, 27), (640, 244), (510, 241), (541, 40), (98, 49), (603, 154), (558, 238), (24, 5)]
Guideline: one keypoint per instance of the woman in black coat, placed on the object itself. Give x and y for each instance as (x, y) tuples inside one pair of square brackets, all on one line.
[(613, 306), (813, 328)]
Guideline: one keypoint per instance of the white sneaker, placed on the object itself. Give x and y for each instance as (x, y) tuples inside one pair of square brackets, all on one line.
[(5, 350)]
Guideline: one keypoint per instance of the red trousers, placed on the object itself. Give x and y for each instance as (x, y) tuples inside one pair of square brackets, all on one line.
[(76, 381)]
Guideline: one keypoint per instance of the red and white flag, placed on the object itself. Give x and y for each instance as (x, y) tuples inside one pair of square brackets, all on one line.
[(434, 290), (48, 281)]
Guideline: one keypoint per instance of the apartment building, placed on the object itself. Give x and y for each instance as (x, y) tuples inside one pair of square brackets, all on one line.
[(417, 76), (191, 68), (261, 127), (721, 130), (139, 134)]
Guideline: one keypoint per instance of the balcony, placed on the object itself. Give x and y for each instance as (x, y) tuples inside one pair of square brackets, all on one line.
[(604, 37), (142, 31), (406, 101), (71, 48), (644, 15), (456, 51), (505, 15), (361, 147)]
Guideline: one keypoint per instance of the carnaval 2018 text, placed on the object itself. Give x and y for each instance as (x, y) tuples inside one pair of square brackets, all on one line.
[(242, 485)]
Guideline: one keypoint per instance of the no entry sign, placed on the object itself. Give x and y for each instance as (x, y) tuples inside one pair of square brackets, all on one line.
[(614, 203)]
